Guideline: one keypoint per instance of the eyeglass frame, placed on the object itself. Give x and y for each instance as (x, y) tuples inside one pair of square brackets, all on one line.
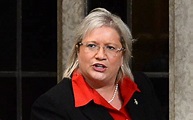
[(97, 46)]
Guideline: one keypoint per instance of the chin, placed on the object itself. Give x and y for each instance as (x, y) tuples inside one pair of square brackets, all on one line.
[(99, 76)]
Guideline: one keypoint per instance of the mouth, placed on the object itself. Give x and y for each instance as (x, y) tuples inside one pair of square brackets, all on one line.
[(99, 67)]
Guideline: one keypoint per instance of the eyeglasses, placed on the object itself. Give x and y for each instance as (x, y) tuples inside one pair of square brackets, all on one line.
[(110, 50)]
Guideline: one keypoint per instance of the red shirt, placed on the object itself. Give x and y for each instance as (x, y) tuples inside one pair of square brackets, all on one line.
[(83, 94)]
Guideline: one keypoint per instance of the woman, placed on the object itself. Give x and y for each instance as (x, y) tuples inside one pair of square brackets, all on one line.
[(98, 83)]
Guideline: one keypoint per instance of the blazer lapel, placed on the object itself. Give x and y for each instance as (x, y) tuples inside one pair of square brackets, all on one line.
[(136, 107), (95, 112)]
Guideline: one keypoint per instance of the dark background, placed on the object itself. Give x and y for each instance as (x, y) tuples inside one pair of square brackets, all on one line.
[(38, 55)]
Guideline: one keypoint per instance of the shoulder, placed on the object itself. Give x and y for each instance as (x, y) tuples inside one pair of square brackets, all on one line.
[(143, 82), (55, 103), (151, 104), (61, 90), (56, 96), (63, 87)]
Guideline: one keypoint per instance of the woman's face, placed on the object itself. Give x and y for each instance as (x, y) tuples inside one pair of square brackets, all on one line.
[(98, 61), (100, 66)]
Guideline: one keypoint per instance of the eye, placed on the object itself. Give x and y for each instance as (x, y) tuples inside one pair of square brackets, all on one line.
[(91, 45), (109, 47)]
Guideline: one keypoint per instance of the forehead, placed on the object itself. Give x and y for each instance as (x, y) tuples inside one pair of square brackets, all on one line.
[(95, 27), (102, 34)]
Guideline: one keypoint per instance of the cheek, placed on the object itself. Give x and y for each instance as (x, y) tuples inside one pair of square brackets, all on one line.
[(83, 58), (116, 63)]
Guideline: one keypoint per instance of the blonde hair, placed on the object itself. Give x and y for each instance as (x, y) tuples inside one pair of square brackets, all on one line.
[(97, 18)]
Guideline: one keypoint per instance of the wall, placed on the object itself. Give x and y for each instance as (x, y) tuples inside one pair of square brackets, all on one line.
[(71, 12), (181, 59)]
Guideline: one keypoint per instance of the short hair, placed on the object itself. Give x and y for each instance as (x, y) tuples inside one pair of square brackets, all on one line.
[(99, 17)]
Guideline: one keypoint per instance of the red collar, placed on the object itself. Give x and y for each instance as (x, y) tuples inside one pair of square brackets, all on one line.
[(83, 93)]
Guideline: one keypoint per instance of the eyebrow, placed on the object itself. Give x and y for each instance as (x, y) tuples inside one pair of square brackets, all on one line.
[(98, 43)]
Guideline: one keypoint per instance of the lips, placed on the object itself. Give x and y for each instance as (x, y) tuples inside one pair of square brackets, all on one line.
[(99, 67)]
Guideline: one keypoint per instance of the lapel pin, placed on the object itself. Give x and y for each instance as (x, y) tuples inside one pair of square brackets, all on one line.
[(135, 101)]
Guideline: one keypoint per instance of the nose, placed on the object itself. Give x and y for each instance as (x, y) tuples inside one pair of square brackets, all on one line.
[(101, 55)]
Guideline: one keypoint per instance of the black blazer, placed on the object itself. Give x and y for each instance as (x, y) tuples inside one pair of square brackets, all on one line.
[(58, 104)]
